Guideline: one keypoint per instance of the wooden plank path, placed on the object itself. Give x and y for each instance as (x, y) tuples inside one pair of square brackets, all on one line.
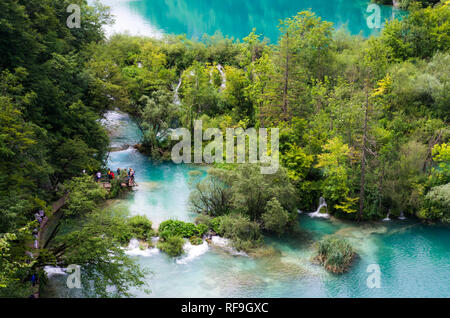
[(47, 228), (49, 225)]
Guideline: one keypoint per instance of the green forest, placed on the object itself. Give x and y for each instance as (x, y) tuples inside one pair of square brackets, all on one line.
[(364, 123)]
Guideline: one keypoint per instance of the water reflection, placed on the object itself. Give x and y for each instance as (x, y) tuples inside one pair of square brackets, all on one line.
[(235, 18)]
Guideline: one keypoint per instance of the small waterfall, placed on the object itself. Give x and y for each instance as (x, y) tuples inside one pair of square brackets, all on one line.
[(134, 249), (224, 77), (176, 98), (52, 271), (402, 216), (192, 252), (387, 218), (223, 85), (317, 214), (225, 244)]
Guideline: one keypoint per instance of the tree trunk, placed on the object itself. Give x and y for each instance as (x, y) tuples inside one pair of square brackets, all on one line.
[(286, 79), (363, 158)]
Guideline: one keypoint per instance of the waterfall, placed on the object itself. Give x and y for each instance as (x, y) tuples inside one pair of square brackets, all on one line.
[(52, 271), (176, 98), (134, 249), (224, 77), (402, 216), (317, 214), (387, 216), (226, 245), (192, 251)]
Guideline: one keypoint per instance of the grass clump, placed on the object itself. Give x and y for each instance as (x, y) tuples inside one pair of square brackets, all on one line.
[(335, 254), (140, 227)]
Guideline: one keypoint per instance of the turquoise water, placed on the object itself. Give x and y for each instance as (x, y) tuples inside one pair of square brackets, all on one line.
[(236, 18), (413, 258)]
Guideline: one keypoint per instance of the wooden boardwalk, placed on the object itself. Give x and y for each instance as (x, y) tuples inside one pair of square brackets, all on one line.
[(47, 228), (50, 224)]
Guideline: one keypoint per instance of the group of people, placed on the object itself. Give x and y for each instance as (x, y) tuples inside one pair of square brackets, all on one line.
[(120, 173), (39, 216)]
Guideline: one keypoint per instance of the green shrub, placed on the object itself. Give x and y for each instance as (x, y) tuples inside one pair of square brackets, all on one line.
[(124, 237), (276, 219), (141, 227), (181, 229), (203, 219), (243, 233), (243, 189), (436, 205), (201, 229), (215, 224), (195, 240), (335, 254), (115, 189), (172, 245), (210, 196)]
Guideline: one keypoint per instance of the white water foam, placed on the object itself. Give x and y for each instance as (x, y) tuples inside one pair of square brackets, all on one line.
[(225, 244), (52, 271), (192, 252), (133, 249), (176, 99), (224, 77), (319, 215)]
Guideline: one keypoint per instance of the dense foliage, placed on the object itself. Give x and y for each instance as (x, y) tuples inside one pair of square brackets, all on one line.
[(172, 245), (173, 232), (50, 105), (180, 228), (359, 118), (93, 238), (363, 123), (244, 234)]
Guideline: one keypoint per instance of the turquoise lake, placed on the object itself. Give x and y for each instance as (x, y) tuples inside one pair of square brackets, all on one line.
[(236, 18), (413, 258)]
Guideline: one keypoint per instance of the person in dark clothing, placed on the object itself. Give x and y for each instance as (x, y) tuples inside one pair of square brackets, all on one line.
[(34, 279)]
